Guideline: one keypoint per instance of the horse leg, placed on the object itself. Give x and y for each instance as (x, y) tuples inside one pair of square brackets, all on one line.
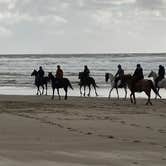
[(38, 90), (148, 94), (157, 93), (65, 89), (53, 90), (125, 92), (134, 98), (95, 90), (58, 94), (89, 90), (46, 88), (131, 99), (109, 96), (117, 93), (42, 89), (37, 93), (80, 90), (84, 89)]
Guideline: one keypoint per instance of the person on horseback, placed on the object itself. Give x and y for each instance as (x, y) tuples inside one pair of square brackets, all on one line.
[(40, 73), (59, 74), (86, 71), (138, 75), (161, 74), (119, 76)]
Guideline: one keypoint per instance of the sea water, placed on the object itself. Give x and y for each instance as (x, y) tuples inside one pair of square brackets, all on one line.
[(15, 70)]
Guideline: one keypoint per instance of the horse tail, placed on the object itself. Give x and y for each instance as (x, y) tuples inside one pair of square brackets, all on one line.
[(69, 84), (94, 83)]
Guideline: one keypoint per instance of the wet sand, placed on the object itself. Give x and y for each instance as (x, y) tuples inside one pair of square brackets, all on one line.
[(35, 130)]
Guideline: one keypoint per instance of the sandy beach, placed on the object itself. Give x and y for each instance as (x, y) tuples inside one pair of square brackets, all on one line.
[(35, 130)]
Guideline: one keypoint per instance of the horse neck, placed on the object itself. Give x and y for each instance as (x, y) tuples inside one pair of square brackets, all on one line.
[(52, 77), (111, 77), (154, 75)]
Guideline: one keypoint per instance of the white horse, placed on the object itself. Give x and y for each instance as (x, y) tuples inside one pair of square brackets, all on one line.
[(112, 81), (161, 84)]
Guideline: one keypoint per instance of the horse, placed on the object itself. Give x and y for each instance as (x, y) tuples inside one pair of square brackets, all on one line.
[(59, 83), (112, 81), (161, 84), (143, 85), (40, 82), (87, 81)]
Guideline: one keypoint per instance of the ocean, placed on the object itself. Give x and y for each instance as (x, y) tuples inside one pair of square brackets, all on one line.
[(15, 70)]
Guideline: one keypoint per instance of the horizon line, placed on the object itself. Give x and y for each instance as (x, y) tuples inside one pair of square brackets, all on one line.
[(81, 53)]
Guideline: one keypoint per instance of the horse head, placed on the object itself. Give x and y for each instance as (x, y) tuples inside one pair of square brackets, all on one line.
[(152, 74), (34, 73), (127, 77), (109, 76), (80, 75), (50, 76), (106, 77)]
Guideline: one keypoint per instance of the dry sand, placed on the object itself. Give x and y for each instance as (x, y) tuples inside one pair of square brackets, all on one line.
[(35, 130)]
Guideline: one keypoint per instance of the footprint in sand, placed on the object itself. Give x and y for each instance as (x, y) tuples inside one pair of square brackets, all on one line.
[(111, 137), (153, 143), (137, 141), (135, 163), (123, 122), (89, 133), (134, 125), (148, 127), (162, 131)]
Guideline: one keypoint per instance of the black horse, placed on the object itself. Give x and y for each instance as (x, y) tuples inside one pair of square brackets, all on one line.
[(40, 82), (57, 84), (86, 81)]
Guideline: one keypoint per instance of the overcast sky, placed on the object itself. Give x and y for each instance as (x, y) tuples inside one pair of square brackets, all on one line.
[(82, 26)]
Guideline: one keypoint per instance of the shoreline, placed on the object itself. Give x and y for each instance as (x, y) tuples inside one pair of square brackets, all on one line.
[(103, 92)]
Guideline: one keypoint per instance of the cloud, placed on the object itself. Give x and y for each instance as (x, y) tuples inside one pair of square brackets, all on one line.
[(4, 32), (79, 22)]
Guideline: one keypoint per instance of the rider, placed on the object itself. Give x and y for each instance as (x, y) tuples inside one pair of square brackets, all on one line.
[(86, 71), (161, 74), (119, 75), (138, 75), (41, 73), (59, 73)]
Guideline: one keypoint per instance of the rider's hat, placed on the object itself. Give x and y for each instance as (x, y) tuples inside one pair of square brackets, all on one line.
[(138, 65), (119, 65)]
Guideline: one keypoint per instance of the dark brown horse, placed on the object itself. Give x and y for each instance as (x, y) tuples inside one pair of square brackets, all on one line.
[(57, 84), (143, 85), (40, 82), (87, 81)]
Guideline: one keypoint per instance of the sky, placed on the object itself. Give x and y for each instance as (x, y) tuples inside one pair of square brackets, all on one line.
[(82, 26)]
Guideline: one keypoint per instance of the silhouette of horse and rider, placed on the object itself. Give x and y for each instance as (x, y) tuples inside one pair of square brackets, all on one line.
[(135, 82), (40, 80), (57, 81), (116, 81), (86, 81)]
